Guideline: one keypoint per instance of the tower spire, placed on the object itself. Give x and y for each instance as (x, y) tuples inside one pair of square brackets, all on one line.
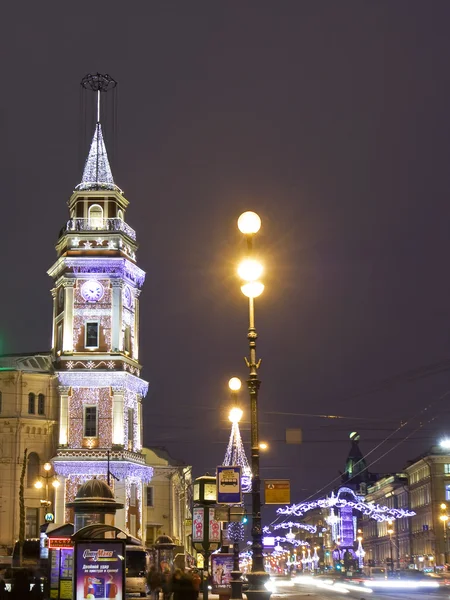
[(97, 174)]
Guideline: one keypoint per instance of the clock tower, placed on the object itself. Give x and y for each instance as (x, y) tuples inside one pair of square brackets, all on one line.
[(95, 344)]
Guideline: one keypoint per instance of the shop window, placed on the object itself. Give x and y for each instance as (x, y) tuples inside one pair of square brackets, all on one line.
[(447, 492)]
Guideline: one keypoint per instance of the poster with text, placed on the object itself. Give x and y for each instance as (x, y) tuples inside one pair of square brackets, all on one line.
[(100, 570), (222, 565), (198, 525)]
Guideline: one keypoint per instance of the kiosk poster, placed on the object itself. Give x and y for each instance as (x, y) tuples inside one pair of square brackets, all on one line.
[(100, 570), (222, 565)]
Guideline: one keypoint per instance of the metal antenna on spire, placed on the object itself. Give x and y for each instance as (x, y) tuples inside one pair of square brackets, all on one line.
[(98, 83)]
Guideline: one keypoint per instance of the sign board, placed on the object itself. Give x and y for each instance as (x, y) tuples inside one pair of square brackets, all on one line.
[(294, 436), (277, 491), (229, 485), (236, 513), (100, 570), (268, 541), (214, 527), (222, 513), (60, 542), (221, 566)]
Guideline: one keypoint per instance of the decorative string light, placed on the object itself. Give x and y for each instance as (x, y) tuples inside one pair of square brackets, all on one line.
[(375, 511), (97, 172), (118, 380), (121, 267)]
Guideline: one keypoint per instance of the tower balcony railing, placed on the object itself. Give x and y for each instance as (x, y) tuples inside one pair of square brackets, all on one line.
[(99, 224)]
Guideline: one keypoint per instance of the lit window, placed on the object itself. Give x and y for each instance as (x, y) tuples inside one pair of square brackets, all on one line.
[(120, 214), (90, 421), (95, 217), (41, 404), (31, 403), (447, 492), (91, 334), (447, 469), (149, 496), (32, 469)]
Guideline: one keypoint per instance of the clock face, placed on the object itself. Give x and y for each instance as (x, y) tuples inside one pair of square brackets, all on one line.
[(210, 491), (92, 291), (127, 297)]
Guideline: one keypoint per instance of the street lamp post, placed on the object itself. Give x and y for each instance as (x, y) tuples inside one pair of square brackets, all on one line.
[(390, 532), (250, 270), (39, 485), (444, 519)]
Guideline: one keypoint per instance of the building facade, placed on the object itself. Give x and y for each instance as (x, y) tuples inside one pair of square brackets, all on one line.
[(95, 345), (429, 488), (382, 548), (29, 408), (168, 500)]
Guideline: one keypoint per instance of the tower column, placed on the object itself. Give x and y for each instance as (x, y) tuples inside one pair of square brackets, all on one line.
[(118, 420), (68, 317), (136, 325), (63, 415), (116, 321), (60, 503)]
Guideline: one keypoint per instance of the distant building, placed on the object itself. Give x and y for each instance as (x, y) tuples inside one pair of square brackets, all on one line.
[(379, 545), (167, 500), (29, 405), (429, 488)]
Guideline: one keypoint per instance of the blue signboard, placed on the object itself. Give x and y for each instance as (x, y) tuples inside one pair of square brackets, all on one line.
[(229, 485)]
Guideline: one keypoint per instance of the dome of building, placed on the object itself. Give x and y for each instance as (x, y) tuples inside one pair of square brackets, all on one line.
[(95, 488)]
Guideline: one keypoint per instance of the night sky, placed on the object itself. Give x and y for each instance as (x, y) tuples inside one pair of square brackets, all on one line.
[(331, 120)]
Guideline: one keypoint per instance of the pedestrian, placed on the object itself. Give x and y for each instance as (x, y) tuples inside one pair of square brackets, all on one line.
[(197, 581), (187, 589), (175, 584), (154, 582), (166, 584)]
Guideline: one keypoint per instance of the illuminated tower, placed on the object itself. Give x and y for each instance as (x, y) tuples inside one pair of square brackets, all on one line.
[(95, 340)]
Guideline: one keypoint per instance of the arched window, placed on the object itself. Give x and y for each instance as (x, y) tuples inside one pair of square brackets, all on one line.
[(41, 404), (32, 469), (95, 217), (31, 403)]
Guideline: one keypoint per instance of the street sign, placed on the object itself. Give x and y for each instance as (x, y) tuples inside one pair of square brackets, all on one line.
[(229, 485), (49, 517), (277, 491), (222, 513)]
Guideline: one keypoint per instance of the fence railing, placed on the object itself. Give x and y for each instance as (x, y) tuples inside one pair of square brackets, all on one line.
[(99, 224)]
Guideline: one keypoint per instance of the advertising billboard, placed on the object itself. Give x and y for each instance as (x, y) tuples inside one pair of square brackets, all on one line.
[(222, 566), (100, 570)]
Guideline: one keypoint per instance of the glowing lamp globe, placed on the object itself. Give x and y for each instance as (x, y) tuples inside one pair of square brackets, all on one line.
[(235, 415), (250, 270), (249, 223), (445, 444), (234, 384), (38, 485), (55, 483), (252, 289), (47, 466)]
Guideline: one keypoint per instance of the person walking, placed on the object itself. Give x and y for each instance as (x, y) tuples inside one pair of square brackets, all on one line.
[(154, 583), (166, 584)]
